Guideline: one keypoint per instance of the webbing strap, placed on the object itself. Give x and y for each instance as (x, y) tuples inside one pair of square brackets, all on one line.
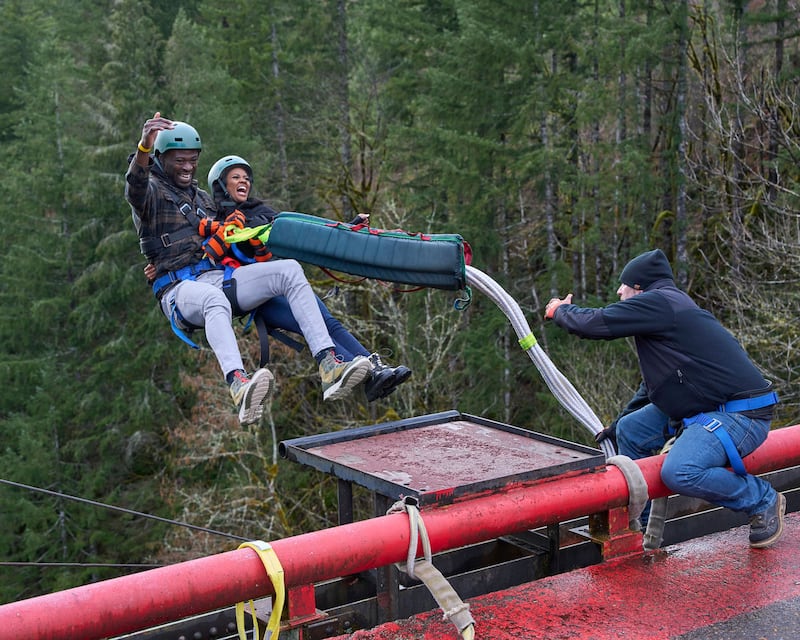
[(275, 572), (263, 337), (174, 317), (185, 273), (152, 244), (657, 520), (455, 609), (247, 233), (637, 488), (748, 404), (712, 425)]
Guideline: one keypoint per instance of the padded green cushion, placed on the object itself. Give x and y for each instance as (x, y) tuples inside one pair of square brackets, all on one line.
[(435, 260)]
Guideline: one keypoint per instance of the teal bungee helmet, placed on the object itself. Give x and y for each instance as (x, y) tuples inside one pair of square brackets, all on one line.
[(183, 136), (216, 175)]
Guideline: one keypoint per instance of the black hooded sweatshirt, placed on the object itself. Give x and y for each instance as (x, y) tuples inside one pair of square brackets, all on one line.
[(689, 362)]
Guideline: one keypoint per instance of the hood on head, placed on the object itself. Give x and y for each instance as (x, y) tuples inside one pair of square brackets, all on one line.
[(645, 269)]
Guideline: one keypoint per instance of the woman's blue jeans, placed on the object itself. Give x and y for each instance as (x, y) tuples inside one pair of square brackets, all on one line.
[(695, 465), (277, 313)]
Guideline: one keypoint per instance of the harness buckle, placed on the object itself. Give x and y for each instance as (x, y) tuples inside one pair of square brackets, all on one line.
[(165, 241), (711, 425)]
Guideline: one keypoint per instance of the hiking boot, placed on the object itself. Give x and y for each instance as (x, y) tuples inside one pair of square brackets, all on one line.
[(766, 527), (250, 393), (384, 379), (380, 383), (339, 378)]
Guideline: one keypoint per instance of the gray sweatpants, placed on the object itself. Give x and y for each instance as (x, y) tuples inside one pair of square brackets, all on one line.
[(202, 303)]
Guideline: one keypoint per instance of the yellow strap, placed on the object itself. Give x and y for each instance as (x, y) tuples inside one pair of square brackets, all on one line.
[(527, 342), (234, 234), (240, 620), (275, 573)]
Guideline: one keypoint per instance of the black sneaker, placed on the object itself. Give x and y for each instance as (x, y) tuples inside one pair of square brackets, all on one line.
[(766, 527), (384, 379)]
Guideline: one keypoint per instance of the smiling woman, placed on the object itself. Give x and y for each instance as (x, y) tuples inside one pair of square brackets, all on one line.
[(230, 181), (238, 184)]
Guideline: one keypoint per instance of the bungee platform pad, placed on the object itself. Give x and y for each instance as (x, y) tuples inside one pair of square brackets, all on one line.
[(424, 260)]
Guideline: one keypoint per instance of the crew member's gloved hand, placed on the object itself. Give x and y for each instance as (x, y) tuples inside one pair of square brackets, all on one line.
[(554, 304), (610, 433), (361, 218)]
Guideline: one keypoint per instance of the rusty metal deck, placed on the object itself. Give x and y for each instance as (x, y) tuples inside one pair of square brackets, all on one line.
[(439, 457)]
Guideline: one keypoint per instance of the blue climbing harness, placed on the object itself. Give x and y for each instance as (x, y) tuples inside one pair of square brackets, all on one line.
[(185, 273), (712, 425)]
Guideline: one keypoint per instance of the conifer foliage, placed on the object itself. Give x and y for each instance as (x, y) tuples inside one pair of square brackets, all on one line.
[(559, 138)]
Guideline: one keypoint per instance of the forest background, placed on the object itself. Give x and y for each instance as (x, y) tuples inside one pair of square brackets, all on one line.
[(560, 138)]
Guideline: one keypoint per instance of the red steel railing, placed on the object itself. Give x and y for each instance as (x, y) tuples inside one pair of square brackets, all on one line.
[(158, 596)]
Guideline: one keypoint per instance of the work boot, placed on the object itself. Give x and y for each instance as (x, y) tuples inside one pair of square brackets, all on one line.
[(384, 379), (250, 394), (339, 377), (766, 527)]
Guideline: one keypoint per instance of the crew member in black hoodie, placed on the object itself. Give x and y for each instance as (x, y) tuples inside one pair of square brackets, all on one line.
[(698, 382)]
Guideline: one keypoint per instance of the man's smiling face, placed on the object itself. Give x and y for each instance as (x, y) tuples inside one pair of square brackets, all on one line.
[(180, 166)]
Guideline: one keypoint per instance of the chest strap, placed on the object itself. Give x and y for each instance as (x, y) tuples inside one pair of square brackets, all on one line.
[(152, 244)]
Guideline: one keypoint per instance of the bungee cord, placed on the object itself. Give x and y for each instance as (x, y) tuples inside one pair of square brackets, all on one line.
[(562, 389)]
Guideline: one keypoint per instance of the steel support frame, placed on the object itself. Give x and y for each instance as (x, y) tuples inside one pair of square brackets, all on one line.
[(158, 596)]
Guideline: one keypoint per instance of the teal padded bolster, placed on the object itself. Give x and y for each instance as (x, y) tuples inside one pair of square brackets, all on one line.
[(435, 260)]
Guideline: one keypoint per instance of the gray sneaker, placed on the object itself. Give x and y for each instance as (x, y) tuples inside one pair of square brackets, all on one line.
[(339, 378), (766, 527), (250, 393)]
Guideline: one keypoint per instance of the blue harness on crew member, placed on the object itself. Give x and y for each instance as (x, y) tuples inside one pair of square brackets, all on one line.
[(712, 425)]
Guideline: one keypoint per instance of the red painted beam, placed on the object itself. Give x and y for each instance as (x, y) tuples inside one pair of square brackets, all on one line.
[(143, 600)]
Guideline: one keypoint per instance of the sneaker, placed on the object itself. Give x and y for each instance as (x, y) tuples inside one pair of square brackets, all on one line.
[(766, 527), (384, 379), (339, 378), (250, 393)]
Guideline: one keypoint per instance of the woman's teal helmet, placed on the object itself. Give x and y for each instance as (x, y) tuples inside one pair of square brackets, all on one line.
[(182, 136), (216, 175)]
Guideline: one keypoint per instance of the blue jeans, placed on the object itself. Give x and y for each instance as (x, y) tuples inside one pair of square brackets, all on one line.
[(695, 465), (276, 312)]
